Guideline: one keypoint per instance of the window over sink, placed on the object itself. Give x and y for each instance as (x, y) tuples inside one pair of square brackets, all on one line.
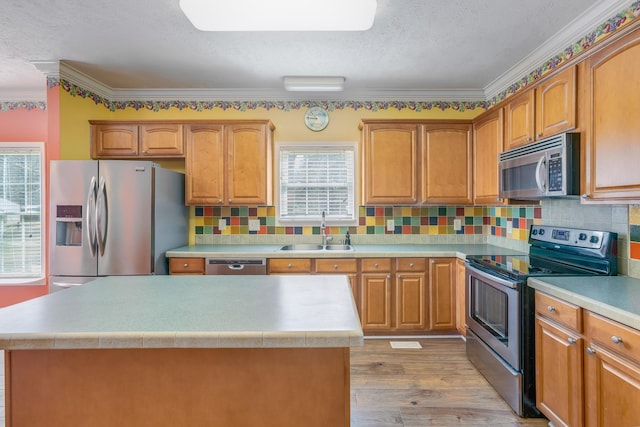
[(315, 178)]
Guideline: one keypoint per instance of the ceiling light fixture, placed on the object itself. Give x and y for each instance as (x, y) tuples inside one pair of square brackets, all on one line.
[(280, 15), (314, 84)]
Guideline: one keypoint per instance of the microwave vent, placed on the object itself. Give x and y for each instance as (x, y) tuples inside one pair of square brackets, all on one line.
[(545, 144)]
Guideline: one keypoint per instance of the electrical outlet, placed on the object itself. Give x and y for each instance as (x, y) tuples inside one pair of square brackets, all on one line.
[(391, 225), (509, 227), (254, 225), (457, 224), (222, 224)]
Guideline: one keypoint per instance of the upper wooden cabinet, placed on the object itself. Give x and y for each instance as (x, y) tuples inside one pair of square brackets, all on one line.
[(229, 163), (389, 163), (415, 162), (612, 150), (488, 143), (447, 155), (125, 140), (546, 110)]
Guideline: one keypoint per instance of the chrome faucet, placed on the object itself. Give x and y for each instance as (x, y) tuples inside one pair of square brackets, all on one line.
[(323, 231)]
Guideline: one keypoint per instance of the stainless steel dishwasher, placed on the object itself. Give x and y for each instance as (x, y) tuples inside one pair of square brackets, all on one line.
[(236, 266)]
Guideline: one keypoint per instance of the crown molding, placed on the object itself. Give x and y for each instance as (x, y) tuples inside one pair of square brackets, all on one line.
[(582, 25)]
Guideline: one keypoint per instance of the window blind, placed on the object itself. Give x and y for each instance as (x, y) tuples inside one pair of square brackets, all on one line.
[(317, 180), (20, 212)]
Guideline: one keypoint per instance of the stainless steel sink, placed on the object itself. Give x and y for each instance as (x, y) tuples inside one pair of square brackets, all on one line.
[(312, 247), (338, 247), (302, 247)]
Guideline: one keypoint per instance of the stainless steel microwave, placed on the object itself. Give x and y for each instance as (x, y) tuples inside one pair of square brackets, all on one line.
[(548, 168)]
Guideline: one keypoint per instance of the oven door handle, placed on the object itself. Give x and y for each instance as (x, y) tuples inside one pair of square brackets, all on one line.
[(491, 279)]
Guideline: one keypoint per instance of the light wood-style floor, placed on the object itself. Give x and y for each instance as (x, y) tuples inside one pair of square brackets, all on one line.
[(432, 386)]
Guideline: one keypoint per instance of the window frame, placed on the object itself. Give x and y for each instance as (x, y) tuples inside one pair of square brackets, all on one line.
[(316, 146), (40, 278)]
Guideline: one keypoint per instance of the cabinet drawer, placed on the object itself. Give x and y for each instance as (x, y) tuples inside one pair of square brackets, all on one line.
[(613, 335), (411, 264), (562, 312), (336, 266), (290, 265), (186, 265), (373, 265)]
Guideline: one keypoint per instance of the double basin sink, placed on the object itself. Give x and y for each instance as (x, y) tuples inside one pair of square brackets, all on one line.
[(309, 247)]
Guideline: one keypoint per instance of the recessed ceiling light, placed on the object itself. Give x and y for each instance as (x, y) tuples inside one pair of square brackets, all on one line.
[(314, 84), (280, 15)]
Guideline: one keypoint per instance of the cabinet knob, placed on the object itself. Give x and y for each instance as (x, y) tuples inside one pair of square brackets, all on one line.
[(411, 265), (289, 265), (529, 139), (399, 276), (133, 151), (220, 201), (144, 151), (538, 135), (388, 276), (230, 200), (375, 265), (571, 340), (590, 350), (585, 196), (551, 308), (616, 340), (185, 265), (335, 266)]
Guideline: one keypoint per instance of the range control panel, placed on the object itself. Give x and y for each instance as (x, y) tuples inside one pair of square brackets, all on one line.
[(568, 236)]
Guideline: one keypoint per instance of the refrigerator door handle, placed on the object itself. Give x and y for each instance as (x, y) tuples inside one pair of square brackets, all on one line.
[(90, 212), (102, 214)]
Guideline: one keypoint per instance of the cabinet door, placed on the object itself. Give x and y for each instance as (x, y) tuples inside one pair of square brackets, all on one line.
[(447, 156), (519, 121), (249, 164), (410, 297), (375, 301), (612, 148), (461, 292), (390, 164), (559, 393), (488, 143), (442, 295), (204, 164), (114, 141), (162, 140), (556, 104), (612, 388)]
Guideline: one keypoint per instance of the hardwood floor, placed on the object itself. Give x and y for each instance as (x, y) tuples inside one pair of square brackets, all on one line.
[(432, 386)]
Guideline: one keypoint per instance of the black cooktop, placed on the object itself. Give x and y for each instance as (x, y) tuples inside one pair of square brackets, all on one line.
[(556, 250)]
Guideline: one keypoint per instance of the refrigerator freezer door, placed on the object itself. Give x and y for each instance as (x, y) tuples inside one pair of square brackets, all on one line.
[(125, 218), (70, 214)]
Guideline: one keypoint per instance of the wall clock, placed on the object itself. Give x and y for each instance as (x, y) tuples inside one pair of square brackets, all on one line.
[(316, 118)]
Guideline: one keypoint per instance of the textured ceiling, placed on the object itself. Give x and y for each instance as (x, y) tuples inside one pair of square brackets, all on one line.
[(445, 46)]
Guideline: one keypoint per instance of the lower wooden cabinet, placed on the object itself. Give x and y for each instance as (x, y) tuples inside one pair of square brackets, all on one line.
[(193, 266), (442, 293), (587, 366), (461, 292)]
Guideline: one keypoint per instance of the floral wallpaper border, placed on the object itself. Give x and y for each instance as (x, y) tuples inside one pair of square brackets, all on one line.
[(605, 29), (26, 105)]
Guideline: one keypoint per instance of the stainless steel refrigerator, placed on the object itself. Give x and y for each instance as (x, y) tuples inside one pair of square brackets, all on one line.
[(112, 218)]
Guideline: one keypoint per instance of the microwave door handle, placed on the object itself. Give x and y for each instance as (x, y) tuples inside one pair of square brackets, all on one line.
[(540, 183)]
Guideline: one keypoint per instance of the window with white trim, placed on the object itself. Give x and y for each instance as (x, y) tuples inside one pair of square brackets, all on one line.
[(21, 208), (316, 177)]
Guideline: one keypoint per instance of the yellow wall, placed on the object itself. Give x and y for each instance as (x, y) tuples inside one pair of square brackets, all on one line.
[(343, 125)]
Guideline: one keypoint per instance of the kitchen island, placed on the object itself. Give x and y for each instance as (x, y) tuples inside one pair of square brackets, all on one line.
[(182, 350)]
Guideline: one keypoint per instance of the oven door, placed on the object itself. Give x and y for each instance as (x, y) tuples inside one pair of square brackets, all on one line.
[(493, 313)]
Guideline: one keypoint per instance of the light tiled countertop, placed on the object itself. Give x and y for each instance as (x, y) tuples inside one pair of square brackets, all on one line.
[(359, 251), (188, 311), (615, 297)]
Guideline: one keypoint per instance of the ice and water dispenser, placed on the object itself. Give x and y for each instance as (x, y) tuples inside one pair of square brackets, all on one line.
[(69, 225)]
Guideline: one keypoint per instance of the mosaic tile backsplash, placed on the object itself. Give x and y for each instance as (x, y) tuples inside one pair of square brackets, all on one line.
[(634, 232), (432, 220)]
